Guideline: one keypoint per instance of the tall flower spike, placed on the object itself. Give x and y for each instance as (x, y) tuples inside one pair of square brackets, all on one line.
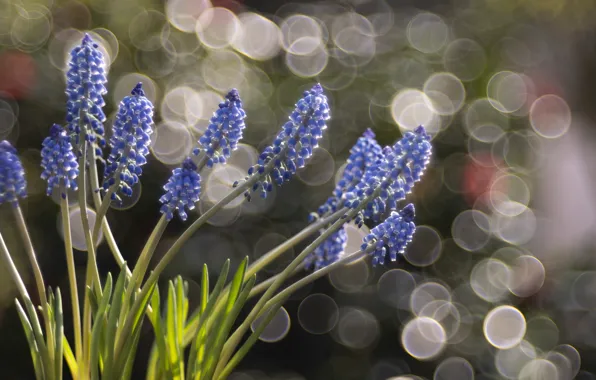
[(363, 154), (328, 252), (85, 87), (224, 130), (294, 144), (129, 142), (12, 175), (395, 174), (393, 234), (59, 163), (182, 191)]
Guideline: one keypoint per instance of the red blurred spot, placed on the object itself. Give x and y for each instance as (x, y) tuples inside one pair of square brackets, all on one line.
[(477, 178), (17, 73)]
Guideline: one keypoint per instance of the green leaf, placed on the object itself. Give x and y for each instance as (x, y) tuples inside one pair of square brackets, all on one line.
[(37, 365), (216, 337), (111, 328), (192, 357), (130, 344), (227, 326), (58, 332), (37, 333), (159, 364), (98, 325), (197, 349), (173, 348), (70, 359)]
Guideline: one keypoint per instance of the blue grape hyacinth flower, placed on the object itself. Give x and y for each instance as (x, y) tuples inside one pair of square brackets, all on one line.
[(12, 175), (392, 235), (58, 161), (182, 191), (85, 87), (130, 142), (328, 252), (224, 130), (363, 154), (394, 175), (294, 144)]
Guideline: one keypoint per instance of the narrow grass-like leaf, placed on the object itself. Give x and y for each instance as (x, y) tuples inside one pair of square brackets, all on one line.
[(37, 365), (98, 325), (157, 363), (181, 308), (220, 318), (130, 345), (127, 371), (112, 327), (252, 339), (69, 356), (58, 333), (172, 346), (38, 334), (213, 362), (192, 357), (197, 349)]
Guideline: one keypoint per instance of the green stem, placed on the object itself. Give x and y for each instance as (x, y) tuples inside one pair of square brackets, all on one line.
[(41, 290), (22, 226), (14, 272), (273, 305), (107, 231), (265, 260), (165, 260), (237, 335), (72, 277), (140, 268)]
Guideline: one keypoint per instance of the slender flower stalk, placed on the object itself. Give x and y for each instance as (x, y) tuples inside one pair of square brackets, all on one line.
[(60, 170), (382, 185)]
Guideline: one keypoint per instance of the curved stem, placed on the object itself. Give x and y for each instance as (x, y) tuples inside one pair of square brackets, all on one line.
[(22, 226), (41, 289), (169, 255), (262, 262), (241, 330), (72, 277), (107, 231), (273, 305)]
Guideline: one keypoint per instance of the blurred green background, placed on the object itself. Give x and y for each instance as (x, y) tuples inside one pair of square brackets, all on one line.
[(500, 280)]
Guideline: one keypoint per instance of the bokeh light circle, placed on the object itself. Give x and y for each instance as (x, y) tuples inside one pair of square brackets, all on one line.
[(504, 327), (445, 92), (395, 287), (550, 116), (454, 368), (318, 313), (277, 329), (425, 248), (427, 32), (423, 338), (465, 58)]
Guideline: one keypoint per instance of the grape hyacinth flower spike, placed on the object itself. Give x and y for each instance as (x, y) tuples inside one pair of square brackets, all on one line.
[(59, 163), (294, 144), (394, 233), (85, 87), (182, 191), (363, 154), (129, 142), (12, 175), (391, 177), (224, 130)]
